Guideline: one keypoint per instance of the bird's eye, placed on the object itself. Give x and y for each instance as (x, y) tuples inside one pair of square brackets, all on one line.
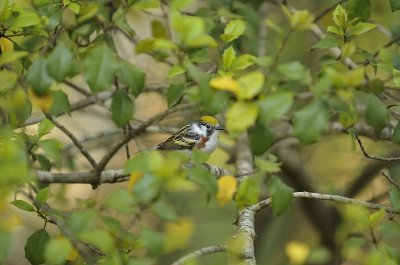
[(208, 126)]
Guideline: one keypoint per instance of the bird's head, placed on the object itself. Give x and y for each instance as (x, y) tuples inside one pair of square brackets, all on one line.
[(209, 125)]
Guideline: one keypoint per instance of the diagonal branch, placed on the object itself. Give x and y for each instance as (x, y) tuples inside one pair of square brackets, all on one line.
[(200, 252), (380, 158), (74, 140)]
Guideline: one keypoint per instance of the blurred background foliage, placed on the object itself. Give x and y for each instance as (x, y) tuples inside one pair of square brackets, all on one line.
[(85, 85)]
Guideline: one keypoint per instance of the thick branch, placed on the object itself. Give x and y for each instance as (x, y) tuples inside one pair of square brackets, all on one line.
[(201, 252), (107, 176), (245, 218)]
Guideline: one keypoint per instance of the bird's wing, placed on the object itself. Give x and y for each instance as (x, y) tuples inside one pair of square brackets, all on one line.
[(184, 139)]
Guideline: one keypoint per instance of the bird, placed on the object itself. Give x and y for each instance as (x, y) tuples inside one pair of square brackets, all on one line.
[(202, 134)]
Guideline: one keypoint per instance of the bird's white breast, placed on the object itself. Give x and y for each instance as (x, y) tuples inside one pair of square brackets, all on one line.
[(212, 143)]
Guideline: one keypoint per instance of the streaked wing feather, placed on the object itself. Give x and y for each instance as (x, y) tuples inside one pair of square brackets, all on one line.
[(183, 139)]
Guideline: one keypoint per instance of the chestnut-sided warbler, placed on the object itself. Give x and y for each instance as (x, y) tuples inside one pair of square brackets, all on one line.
[(202, 134)]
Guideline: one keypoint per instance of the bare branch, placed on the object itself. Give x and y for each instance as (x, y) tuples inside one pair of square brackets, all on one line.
[(328, 197), (74, 140), (386, 159), (245, 218), (107, 176), (201, 252), (389, 178), (76, 106)]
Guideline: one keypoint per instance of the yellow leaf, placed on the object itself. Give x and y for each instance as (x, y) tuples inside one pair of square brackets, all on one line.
[(6, 45), (225, 83), (43, 102), (178, 234), (297, 252), (227, 186), (134, 178)]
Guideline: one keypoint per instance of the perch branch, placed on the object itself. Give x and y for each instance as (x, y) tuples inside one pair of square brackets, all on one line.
[(200, 252), (380, 158)]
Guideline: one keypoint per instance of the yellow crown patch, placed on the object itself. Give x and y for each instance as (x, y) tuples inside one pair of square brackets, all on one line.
[(210, 120)]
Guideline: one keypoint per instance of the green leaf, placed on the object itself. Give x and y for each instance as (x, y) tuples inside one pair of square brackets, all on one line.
[(310, 122), (98, 238), (394, 5), (43, 162), (295, 71), (82, 220), (274, 106), (375, 113), (180, 4), (174, 91), (164, 211), (281, 196), (152, 240), (175, 70), (205, 179), (247, 193), (52, 149), (43, 195), (121, 108), (120, 200), (99, 67), (390, 229), (329, 41), (396, 134), (261, 138), (250, 85), (243, 61), (23, 205), (38, 77), (132, 76), (57, 251), (340, 16), (394, 196), (241, 115), (25, 19), (35, 246), (60, 62), (8, 80), (228, 57), (361, 28), (44, 127), (9, 57), (60, 103), (268, 165), (358, 9), (233, 30), (5, 239), (158, 29), (6, 8), (147, 188)]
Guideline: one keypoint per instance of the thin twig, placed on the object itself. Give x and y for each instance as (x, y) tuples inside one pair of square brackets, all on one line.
[(201, 252), (328, 197), (391, 180), (73, 139), (381, 158), (326, 11), (388, 44)]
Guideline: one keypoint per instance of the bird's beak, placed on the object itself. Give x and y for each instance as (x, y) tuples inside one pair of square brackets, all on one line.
[(220, 128)]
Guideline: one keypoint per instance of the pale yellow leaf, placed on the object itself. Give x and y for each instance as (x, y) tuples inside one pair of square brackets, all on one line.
[(297, 252), (134, 178), (227, 186), (225, 83)]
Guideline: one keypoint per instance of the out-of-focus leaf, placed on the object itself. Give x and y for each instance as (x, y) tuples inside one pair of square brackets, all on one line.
[(121, 108), (295, 71), (6, 7), (44, 127), (60, 62), (99, 67), (376, 113), (23, 205), (394, 196), (358, 9), (297, 252), (269, 165), (261, 138), (158, 29), (395, 5), (274, 106), (241, 115), (132, 76), (8, 80), (389, 229), (35, 245), (225, 83), (25, 19), (281, 195), (250, 85), (329, 41), (247, 193), (361, 28), (38, 77), (60, 103), (9, 57), (227, 186), (310, 122), (57, 251), (52, 148), (98, 238), (174, 91), (164, 211), (152, 240)]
